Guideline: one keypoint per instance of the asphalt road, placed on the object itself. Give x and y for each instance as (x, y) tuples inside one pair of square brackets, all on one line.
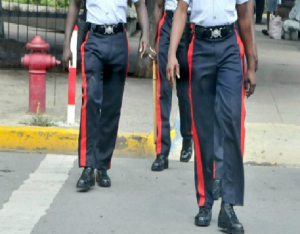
[(38, 196)]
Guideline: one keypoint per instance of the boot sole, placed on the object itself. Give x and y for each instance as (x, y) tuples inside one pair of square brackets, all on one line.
[(86, 188), (229, 231), (166, 166), (202, 224), (185, 160)]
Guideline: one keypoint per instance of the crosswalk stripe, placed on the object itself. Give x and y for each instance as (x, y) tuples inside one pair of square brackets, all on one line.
[(30, 202)]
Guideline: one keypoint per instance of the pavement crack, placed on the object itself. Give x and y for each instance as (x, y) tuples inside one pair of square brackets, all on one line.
[(276, 105)]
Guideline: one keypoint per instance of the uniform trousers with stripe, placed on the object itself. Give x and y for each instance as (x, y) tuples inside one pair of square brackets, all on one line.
[(164, 89), (216, 76), (219, 137), (104, 68)]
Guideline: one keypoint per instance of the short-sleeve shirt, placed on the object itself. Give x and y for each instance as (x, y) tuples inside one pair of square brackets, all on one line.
[(107, 12), (209, 13), (171, 5)]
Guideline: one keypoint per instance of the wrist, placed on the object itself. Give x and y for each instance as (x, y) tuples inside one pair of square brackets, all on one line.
[(171, 54), (66, 43), (153, 46), (251, 68)]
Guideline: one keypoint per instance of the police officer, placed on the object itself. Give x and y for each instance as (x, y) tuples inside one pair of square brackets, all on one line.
[(163, 17), (218, 137), (104, 67), (216, 60)]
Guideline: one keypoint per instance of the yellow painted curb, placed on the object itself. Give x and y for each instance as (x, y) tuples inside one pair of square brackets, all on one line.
[(65, 141)]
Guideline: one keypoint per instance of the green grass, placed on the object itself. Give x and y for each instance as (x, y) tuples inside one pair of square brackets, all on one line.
[(50, 3), (41, 120)]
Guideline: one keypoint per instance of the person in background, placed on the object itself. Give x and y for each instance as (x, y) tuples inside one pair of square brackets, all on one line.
[(163, 18), (259, 9), (271, 9)]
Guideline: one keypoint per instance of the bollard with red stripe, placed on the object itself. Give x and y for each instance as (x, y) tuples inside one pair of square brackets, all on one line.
[(72, 78)]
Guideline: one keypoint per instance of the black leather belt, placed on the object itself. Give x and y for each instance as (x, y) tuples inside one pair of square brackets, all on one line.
[(106, 29), (213, 32), (171, 14)]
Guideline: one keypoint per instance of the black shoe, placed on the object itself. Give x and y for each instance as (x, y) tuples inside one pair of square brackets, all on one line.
[(217, 189), (86, 180), (103, 179), (228, 220), (259, 21), (265, 32), (160, 163), (186, 152), (203, 218)]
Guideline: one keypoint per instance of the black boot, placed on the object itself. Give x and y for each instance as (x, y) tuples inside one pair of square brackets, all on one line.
[(228, 220), (217, 189), (103, 179), (203, 218), (86, 180), (186, 151), (160, 163)]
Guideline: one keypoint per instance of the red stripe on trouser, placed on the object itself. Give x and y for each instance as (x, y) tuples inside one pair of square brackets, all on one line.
[(199, 169), (243, 109), (82, 153), (192, 27), (214, 172), (158, 110)]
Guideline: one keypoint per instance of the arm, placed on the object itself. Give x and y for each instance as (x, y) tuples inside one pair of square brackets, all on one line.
[(179, 22), (143, 20), (244, 21), (158, 13), (251, 13), (70, 24)]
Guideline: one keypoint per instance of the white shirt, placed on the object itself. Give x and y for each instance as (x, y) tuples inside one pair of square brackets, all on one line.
[(106, 12), (209, 13), (171, 5)]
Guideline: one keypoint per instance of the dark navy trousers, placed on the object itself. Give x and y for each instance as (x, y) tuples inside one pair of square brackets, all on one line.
[(104, 68), (219, 139), (217, 91), (164, 89)]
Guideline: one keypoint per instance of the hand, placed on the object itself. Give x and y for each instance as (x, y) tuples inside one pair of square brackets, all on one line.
[(67, 58), (250, 82), (152, 54), (172, 68), (144, 47)]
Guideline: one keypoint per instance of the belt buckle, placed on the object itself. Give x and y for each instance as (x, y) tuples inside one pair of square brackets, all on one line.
[(109, 30), (216, 33)]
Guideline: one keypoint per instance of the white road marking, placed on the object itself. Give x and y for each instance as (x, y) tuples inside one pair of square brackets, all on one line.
[(30, 202)]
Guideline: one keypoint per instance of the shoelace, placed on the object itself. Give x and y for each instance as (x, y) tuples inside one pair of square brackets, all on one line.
[(103, 173), (202, 210), (87, 172), (158, 160), (232, 213)]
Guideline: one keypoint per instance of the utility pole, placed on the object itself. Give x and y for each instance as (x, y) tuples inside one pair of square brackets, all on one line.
[(2, 35)]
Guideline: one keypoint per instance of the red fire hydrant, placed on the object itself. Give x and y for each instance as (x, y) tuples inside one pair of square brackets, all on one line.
[(38, 61)]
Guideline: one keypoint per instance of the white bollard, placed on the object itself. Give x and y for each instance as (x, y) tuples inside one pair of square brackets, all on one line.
[(72, 78)]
